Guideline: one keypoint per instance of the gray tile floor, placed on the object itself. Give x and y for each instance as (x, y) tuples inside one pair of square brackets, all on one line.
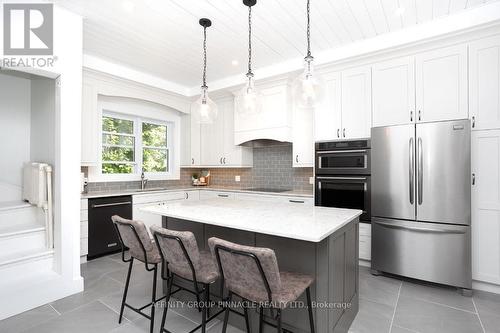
[(386, 305)]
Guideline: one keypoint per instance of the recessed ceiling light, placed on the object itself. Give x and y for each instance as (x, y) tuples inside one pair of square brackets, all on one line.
[(399, 12), (128, 6), (235, 62)]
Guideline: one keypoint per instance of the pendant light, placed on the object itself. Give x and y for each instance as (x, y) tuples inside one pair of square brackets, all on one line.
[(204, 108), (248, 101), (308, 87)]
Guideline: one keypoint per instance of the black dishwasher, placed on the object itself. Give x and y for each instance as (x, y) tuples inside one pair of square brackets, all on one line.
[(102, 234)]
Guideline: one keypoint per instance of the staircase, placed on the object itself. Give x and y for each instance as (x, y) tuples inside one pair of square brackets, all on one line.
[(23, 250)]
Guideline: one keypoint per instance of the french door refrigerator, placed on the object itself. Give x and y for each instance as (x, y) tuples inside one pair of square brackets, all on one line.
[(421, 213)]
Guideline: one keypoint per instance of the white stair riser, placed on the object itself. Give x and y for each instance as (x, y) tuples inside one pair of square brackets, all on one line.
[(27, 215), (22, 242), (15, 271)]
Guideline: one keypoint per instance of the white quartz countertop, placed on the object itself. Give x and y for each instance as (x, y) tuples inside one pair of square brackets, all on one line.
[(302, 222)]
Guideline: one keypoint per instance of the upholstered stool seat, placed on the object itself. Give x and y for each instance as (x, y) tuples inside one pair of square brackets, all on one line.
[(252, 273), (134, 236), (183, 259)]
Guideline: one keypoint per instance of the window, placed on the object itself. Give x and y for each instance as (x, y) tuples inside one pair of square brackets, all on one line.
[(133, 145)]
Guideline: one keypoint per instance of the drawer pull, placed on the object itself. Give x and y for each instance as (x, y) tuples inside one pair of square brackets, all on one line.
[(112, 244), (223, 195), (296, 201)]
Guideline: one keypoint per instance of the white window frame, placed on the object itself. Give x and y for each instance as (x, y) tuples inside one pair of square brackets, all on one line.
[(127, 108)]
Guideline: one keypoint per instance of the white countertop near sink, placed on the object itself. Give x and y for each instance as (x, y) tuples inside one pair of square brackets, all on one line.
[(302, 222), (291, 193)]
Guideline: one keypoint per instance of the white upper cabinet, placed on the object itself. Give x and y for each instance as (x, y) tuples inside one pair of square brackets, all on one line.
[(195, 135), (486, 206), (303, 141), (90, 126), (328, 116), (441, 84), (394, 92), (356, 103), (216, 141), (484, 83)]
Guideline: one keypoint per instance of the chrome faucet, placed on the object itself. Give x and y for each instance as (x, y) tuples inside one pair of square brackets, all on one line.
[(144, 181)]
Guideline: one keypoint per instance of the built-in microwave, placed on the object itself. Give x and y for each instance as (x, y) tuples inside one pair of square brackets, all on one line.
[(343, 157), (343, 175)]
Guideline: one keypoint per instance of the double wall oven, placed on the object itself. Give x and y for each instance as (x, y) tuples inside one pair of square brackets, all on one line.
[(343, 175)]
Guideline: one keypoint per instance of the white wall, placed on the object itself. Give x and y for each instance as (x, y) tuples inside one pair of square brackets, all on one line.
[(43, 114), (14, 134)]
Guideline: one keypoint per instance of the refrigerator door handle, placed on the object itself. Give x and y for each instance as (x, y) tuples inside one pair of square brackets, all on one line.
[(420, 167), (411, 228), (412, 171)]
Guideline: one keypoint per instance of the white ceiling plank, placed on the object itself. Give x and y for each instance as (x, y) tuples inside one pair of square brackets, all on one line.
[(424, 11), (474, 3), (393, 18), (440, 8), (377, 15), (345, 15), (409, 12), (163, 38), (363, 18)]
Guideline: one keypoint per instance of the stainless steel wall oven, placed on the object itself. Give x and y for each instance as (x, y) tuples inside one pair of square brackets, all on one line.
[(343, 177)]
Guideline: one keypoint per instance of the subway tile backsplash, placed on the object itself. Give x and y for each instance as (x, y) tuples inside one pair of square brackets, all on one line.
[(272, 169)]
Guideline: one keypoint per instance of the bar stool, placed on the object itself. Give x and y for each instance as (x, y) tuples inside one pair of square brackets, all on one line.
[(134, 236), (184, 260), (252, 273)]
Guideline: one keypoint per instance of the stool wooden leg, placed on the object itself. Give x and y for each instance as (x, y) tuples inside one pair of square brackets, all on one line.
[(167, 299), (124, 299), (247, 321), (309, 307), (153, 299), (226, 314)]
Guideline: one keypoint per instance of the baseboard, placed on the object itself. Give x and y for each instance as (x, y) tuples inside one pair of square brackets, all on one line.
[(45, 289), (365, 263), (485, 286)]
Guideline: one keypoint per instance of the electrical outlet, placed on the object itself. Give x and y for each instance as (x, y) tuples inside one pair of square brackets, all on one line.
[(311, 180), (237, 178)]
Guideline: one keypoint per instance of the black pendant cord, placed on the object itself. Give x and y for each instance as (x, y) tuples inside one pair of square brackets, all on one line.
[(204, 58), (308, 29), (249, 41)]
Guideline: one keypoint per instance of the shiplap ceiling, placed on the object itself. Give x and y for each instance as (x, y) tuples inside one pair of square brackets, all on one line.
[(163, 38)]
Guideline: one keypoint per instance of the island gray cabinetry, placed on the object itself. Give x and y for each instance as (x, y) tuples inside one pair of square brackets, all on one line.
[(333, 262)]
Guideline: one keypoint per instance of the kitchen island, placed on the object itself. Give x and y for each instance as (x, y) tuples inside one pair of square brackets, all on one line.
[(319, 241)]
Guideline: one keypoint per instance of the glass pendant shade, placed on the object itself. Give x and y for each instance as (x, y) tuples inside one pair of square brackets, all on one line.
[(204, 108), (308, 88), (248, 101)]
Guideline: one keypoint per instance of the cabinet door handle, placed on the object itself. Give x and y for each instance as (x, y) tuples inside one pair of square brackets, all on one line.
[(297, 158), (343, 132), (419, 115), (338, 132), (221, 160), (473, 179), (187, 195), (473, 121), (296, 201), (192, 161), (411, 115), (224, 160)]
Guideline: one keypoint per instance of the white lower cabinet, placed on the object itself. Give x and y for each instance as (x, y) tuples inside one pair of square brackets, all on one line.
[(276, 198), (486, 206), (204, 195), (365, 241), (144, 200), (84, 228)]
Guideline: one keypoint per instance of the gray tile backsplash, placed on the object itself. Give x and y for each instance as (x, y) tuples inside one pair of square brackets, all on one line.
[(272, 169)]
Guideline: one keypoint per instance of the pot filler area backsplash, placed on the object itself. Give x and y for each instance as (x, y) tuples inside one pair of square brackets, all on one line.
[(272, 168)]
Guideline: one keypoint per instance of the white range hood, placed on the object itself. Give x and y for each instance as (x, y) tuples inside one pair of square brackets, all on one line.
[(273, 124)]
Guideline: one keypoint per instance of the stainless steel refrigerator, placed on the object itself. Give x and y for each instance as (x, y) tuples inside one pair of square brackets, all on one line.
[(421, 213)]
